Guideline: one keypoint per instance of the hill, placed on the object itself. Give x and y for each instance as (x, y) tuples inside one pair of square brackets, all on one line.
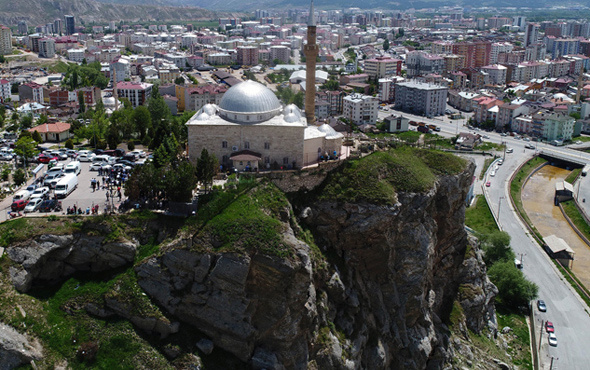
[(88, 11)]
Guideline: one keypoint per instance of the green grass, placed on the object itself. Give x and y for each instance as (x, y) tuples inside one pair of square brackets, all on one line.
[(378, 177), (479, 217), (571, 178), (582, 138), (409, 136), (516, 187), (574, 214), (486, 164), (486, 145), (251, 222)]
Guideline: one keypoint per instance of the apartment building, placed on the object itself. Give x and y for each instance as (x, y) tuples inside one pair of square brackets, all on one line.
[(5, 87), (507, 113), (496, 74), (31, 91), (46, 48), (486, 109), (335, 100), (453, 63), (558, 126), (361, 109), (197, 97), (5, 40), (497, 48), (476, 53), (382, 67), (419, 63), (281, 53), (247, 55), (421, 98), (138, 93)]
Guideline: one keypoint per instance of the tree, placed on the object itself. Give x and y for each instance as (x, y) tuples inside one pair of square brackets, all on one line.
[(180, 182), (142, 120), (37, 137), (206, 168), (26, 122), (161, 156), (179, 80), (497, 247), (81, 102), (42, 119), (386, 45), (69, 144), (19, 177), (514, 289), (25, 148)]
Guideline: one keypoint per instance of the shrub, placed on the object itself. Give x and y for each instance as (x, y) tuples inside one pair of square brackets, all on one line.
[(130, 145), (514, 290), (19, 177), (68, 144)]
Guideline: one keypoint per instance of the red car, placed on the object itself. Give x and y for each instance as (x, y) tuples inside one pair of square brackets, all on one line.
[(549, 327), (19, 205), (45, 158), (488, 184)]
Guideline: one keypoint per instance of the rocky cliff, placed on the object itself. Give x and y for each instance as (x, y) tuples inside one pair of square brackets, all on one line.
[(362, 271)]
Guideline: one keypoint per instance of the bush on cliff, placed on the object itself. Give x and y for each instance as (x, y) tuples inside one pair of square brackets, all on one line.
[(514, 289), (378, 177)]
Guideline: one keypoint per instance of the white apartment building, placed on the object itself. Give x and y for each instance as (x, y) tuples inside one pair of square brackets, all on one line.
[(46, 48), (361, 109), (497, 48), (121, 69), (76, 55), (137, 93), (382, 67), (419, 63), (496, 74), (5, 40), (4, 90), (421, 98), (280, 52)]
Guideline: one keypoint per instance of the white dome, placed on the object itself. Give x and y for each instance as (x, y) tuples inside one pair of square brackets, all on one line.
[(249, 97), (330, 132), (292, 113), (208, 110)]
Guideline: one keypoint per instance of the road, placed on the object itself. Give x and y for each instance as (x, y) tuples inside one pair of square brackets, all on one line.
[(564, 307)]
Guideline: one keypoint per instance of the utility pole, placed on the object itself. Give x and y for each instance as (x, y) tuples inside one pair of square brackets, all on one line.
[(551, 366)]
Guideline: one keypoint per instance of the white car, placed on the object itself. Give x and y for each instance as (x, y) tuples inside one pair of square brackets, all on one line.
[(121, 166), (96, 166), (138, 153), (40, 192), (552, 340), (33, 205), (86, 157), (509, 150)]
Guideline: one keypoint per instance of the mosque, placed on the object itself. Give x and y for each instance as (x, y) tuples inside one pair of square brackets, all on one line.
[(251, 130)]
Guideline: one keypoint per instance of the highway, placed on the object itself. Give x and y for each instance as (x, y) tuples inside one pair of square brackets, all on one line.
[(565, 309)]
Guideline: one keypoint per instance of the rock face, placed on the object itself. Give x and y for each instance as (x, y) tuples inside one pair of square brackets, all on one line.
[(380, 301), (50, 258), (15, 349)]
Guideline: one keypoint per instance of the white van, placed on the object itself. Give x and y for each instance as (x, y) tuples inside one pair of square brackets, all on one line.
[(66, 185), (104, 159), (73, 167), (21, 195)]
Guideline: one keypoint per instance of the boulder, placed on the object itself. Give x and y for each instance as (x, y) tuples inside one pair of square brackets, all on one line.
[(16, 349)]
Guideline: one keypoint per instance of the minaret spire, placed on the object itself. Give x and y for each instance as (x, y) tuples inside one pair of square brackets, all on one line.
[(311, 52)]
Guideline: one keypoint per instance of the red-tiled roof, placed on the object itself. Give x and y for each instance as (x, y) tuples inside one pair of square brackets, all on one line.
[(56, 127)]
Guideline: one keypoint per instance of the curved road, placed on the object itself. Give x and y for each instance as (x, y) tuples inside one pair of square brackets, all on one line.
[(569, 314)]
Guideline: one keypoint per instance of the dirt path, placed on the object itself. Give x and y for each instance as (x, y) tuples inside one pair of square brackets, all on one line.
[(537, 199)]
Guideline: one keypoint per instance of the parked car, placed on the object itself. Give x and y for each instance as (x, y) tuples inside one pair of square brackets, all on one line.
[(129, 157), (86, 157), (549, 327), (18, 205), (42, 192), (488, 184), (125, 162), (121, 166), (541, 305), (529, 146), (119, 152), (509, 150), (31, 188), (138, 153), (552, 340), (33, 205), (50, 205)]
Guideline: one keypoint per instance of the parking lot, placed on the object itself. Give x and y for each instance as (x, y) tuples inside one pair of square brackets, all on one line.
[(83, 197)]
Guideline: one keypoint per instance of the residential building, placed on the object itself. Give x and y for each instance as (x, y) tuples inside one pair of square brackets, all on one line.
[(281, 53), (419, 63), (459, 80), (31, 91), (522, 125), (558, 126), (421, 98), (70, 24), (497, 48), (54, 132), (462, 100), (507, 112), (23, 28), (5, 40), (335, 100), (382, 67), (486, 109), (247, 55), (5, 88), (519, 21), (531, 35), (59, 97), (496, 74), (121, 69), (199, 96), (322, 109), (395, 123), (476, 53), (46, 48), (453, 63), (58, 26), (76, 55), (561, 47), (92, 95), (360, 109), (138, 93)]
